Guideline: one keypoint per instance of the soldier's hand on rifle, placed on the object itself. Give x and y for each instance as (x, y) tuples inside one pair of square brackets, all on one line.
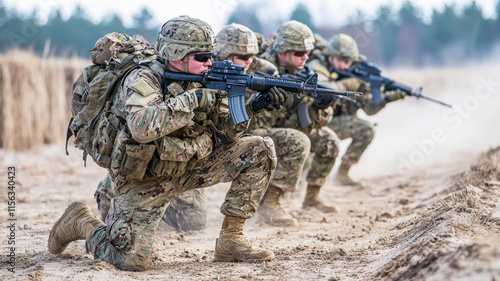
[(323, 101), (270, 100), (394, 95), (207, 98)]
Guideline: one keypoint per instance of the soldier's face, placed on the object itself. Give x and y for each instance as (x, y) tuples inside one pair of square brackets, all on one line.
[(296, 58), (244, 61), (339, 63), (196, 66)]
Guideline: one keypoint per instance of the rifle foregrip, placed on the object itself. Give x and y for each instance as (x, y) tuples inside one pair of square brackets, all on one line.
[(264, 83)]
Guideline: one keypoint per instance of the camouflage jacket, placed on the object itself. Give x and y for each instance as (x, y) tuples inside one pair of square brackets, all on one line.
[(180, 133), (287, 116), (320, 65), (266, 119)]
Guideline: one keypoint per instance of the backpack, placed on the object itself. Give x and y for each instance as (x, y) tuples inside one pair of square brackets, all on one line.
[(113, 57)]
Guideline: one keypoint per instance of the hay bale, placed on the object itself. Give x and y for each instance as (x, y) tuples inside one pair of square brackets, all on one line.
[(34, 99)]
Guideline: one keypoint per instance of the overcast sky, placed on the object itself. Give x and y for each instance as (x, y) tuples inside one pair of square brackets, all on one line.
[(216, 12)]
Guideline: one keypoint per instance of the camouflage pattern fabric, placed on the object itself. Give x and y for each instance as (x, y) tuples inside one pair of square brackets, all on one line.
[(182, 35), (321, 66), (293, 36), (259, 64), (343, 46), (103, 196), (139, 202), (236, 39), (325, 140), (347, 124), (326, 150), (137, 207), (361, 132), (292, 148), (186, 212)]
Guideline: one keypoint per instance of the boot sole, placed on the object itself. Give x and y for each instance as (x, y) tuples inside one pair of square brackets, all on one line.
[(52, 231)]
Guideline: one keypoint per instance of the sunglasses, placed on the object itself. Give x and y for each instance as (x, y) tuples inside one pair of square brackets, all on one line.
[(299, 54), (245, 57), (202, 57)]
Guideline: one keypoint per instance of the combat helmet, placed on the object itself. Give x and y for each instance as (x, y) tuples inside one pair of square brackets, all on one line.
[(182, 35), (293, 36), (236, 39), (343, 46)]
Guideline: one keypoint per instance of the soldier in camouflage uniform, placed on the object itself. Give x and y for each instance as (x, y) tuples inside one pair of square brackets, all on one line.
[(239, 44), (289, 52), (172, 142), (340, 53)]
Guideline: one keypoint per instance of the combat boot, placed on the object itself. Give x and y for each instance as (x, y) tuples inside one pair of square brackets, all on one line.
[(233, 246), (271, 211), (312, 201), (342, 176), (76, 223)]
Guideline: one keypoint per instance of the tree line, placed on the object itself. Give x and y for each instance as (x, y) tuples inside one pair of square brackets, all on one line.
[(393, 36)]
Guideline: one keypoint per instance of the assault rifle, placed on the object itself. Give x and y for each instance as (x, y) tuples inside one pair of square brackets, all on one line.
[(311, 78), (231, 78), (371, 73)]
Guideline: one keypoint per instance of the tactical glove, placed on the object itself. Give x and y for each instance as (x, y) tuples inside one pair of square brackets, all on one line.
[(323, 101), (394, 95), (270, 100), (207, 98)]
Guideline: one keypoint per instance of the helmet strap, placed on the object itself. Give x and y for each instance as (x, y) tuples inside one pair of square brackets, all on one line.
[(186, 65)]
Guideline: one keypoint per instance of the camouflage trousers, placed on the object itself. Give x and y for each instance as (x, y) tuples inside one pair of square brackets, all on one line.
[(292, 148), (136, 208), (325, 146), (361, 132), (185, 212)]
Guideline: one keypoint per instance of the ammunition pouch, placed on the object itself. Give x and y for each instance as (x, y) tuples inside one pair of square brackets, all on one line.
[(129, 159), (104, 138), (176, 155)]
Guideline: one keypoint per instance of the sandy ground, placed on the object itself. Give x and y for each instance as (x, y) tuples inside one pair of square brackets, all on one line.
[(428, 209)]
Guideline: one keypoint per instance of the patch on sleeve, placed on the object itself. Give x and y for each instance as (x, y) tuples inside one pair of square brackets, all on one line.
[(138, 101), (144, 88), (175, 89)]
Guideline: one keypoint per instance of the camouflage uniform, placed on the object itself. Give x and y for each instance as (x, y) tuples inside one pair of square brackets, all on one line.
[(170, 146), (186, 212), (294, 36), (292, 146), (345, 122)]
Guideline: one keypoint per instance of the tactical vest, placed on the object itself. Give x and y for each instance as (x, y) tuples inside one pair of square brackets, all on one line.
[(169, 156)]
